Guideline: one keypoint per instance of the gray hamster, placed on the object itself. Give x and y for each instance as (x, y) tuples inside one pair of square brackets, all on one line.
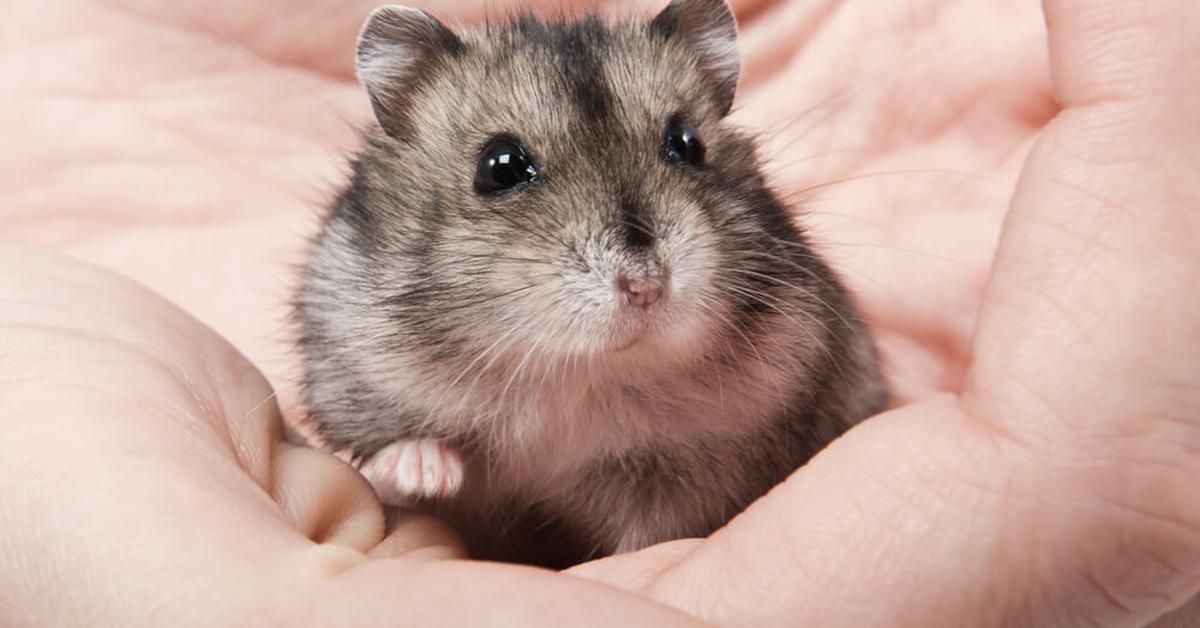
[(556, 304)]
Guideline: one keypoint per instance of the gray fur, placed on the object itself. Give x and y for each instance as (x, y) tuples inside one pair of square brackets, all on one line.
[(431, 311)]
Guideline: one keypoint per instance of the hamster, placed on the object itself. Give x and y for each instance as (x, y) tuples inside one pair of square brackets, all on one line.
[(557, 304)]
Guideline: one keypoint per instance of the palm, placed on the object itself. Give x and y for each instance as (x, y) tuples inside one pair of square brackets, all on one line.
[(902, 166), (193, 150)]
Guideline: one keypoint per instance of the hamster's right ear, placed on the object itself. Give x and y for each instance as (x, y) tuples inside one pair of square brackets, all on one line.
[(711, 29), (399, 45)]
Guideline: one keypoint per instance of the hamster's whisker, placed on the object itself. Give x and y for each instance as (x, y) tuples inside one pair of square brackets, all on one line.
[(779, 305), (481, 355), (777, 167), (505, 343), (774, 304), (503, 258), (803, 251), (802, 290), (805, 291), (705, 305), (828, 106), (450, 390), (559, 364), (736, 326), (825, 347), (777, 258), (833, 103), (496, 356), (800, 194), (575, 355), (901, 249), (517, 371)]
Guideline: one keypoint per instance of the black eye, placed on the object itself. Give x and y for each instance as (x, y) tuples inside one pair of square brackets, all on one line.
[(684, 145), (503, 165)]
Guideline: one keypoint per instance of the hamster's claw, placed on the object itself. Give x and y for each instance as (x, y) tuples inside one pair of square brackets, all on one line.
[(410, 470)]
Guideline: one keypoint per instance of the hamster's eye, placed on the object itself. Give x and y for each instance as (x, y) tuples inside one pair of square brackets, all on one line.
[(683, 144), (504, 164)]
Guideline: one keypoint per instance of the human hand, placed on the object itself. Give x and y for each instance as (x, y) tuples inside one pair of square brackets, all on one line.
[(145, 482), (682, 579)]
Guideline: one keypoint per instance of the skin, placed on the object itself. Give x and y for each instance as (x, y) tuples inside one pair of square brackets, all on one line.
[(1040, 469)]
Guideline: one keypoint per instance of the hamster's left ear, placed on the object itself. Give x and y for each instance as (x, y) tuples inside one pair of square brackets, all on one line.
[(398, 47), (708, 26)]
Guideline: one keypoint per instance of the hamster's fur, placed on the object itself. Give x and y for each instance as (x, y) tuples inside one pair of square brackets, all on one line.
[(500, 326)]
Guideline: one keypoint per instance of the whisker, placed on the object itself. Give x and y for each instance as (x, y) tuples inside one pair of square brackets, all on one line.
[(363, 342), (792, 196), (761, 297), (503, 258), (804, 291), (803, 251)]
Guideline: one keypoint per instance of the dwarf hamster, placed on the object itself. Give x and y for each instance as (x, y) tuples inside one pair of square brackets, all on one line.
[(556, 304)]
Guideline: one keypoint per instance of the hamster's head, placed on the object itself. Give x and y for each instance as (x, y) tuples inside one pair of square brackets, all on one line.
[(557, 191)]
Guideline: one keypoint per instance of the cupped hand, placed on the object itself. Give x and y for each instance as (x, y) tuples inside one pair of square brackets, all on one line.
[(145, 482), (142, 468)]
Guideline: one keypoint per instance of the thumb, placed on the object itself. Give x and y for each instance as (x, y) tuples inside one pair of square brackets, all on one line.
[(413, 535), (1088, 346)]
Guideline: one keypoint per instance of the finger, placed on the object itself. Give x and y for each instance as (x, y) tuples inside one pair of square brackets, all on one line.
[(639, 570), (1095, 276), (459, 593), (1089, 343), (125, 465), (326, 499), (128, 471), (419, 536), (1187, 616)]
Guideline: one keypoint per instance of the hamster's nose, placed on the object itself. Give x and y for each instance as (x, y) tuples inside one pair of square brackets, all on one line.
[(640, 292)]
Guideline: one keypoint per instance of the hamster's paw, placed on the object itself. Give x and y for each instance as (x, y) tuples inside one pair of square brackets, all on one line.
[(408, 470)]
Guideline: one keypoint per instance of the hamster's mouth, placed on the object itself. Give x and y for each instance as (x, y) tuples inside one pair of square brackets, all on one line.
[(628, 335), (625, 345)]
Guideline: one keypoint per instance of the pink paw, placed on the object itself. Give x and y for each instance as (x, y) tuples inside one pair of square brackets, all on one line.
[(408, 470)]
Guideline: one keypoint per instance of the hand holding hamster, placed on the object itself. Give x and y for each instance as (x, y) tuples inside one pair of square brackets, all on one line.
[(1055, 488), (557, 303)]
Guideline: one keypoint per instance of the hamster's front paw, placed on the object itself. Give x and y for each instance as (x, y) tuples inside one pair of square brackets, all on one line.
[(408, 470)]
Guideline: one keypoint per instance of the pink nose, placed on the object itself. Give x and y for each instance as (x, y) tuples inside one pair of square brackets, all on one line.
[(640, 292)]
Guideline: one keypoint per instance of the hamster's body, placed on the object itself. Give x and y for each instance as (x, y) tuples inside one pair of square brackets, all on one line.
[(557, 304)]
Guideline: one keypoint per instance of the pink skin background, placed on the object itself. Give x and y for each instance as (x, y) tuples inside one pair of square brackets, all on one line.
[(1040, 471)]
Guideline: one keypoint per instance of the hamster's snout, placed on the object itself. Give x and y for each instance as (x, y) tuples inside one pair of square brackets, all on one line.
[(642, 287), (640, 292)]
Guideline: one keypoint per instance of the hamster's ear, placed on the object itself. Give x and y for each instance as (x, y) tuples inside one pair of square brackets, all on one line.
[(708, 26), (398, 46)]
